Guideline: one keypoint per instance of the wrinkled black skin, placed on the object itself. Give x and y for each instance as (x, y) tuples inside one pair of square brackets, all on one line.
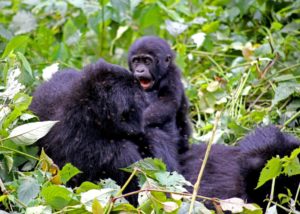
[(100, 114), (167, 112), (234, 171)]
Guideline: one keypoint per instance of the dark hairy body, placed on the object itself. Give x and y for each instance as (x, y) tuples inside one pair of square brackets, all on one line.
[(234, 171), (100, 114), (151, 60)]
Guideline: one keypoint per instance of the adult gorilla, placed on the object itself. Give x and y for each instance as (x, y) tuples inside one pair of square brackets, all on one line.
[(151, 60), (234, 171), (100, 120)]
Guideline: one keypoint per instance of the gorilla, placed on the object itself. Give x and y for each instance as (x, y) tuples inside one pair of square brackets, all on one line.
[(234, 171), (151, 60), (100, 121), (256, 149)]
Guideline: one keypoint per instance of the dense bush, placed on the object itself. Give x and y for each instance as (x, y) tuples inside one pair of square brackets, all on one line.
[(240, 57)]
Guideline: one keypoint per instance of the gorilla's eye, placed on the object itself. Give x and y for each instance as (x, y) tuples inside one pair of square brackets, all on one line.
[(148, 61), (134, 60)]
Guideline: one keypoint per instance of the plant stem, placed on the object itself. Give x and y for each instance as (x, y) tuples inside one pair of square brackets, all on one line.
[(110, 206), (197, 184), (291, 119), (19, 152), (271, 194)]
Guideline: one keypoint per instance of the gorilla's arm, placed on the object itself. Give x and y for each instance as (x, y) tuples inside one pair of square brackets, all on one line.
[(166, 105), (184, 124)]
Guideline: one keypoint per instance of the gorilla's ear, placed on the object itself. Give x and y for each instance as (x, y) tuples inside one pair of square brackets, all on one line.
[(168, 60)]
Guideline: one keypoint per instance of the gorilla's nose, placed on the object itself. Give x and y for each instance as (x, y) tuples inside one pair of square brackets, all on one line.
[(141, 70)]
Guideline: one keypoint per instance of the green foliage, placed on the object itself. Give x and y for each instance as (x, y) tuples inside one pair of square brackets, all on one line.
[(237, 56)]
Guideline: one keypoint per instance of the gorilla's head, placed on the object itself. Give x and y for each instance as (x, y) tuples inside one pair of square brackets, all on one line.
[(115, 97), (149, 59)]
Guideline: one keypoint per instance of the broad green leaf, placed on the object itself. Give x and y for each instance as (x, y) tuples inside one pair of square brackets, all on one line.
[(283, 91), (9, 161), (96, 207), (71, 34), (17, 43), (38, 210), (125, 208), (29, 133), (23, 22), (86, 186), (57, 196), (25, 63), (22, 101), (170, 206), (211, 27), (28, 189), (270, 171), (173, 181), (175, 28), (102, 196), (291, 165), (150, 17), (68, 172), (147, 165), (171, 13), (198, 208)]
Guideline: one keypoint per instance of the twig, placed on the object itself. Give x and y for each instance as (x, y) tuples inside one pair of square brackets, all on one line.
[(271, 194), (2, 187), (197, 184), (164, 191), (269, 66), (110, 206), (291, 119)]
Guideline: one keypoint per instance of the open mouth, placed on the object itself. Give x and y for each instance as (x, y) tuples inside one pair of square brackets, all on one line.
[(146, 83)]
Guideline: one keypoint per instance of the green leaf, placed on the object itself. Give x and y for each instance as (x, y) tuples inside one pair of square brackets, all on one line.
[(150, 17), (270, 171), (39, 210), (102, 196), (173, 181), (68, 172), (22, 101), (23, 22), (291, 164), (18, 43), (283, 91), (57, 196), (85, 186), (211, 27), (28, 189), (147, 165), (71, 34), (29, 133), (96, 207), (25, 63)]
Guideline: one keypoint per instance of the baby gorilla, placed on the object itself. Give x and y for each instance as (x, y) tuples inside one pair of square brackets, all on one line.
[(150, 59), (234, 171), (100, 114)]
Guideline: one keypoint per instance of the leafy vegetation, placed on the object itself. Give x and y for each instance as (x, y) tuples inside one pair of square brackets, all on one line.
[(239, 57)]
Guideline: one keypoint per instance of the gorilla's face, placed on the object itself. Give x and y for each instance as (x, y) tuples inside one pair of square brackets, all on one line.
[(143, 67), (149, 59)]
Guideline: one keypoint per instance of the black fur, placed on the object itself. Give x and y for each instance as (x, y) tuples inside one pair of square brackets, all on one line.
[(234, 171), (222, 178), (259, 147), (100, 113), (152, 58)]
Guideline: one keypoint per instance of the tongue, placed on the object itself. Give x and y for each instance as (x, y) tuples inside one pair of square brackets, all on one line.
[(145, 83)]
